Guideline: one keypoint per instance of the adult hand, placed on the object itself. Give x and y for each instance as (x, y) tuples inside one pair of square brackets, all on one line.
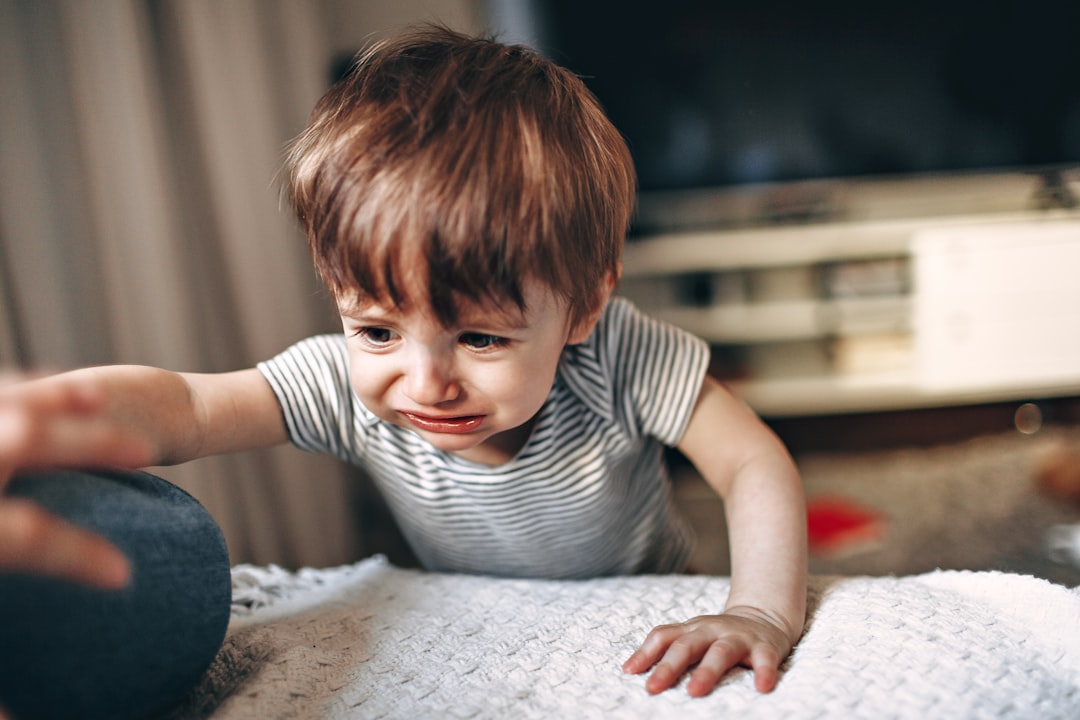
[(53, 423)]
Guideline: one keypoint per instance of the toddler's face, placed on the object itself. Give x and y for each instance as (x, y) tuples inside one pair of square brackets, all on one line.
[(473, 389)]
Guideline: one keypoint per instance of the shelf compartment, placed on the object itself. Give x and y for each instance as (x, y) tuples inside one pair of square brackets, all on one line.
[(791, 320)]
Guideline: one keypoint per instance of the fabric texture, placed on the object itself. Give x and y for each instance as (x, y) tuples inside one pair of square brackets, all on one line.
[(586, 496), (68, 651), (373, 641)]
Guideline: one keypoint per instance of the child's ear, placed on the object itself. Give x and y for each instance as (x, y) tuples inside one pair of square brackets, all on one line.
[(584, 327)]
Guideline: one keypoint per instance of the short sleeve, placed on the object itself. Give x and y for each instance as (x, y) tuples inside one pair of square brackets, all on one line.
[(311, 382), (640, 371)]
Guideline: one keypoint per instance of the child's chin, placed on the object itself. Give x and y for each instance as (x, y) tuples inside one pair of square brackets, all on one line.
[(454, 442)]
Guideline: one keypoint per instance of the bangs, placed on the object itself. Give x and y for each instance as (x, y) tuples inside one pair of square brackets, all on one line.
[(403, 274), (428, 242)]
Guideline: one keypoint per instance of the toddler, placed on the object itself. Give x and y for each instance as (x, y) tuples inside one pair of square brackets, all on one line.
[(466, 203)]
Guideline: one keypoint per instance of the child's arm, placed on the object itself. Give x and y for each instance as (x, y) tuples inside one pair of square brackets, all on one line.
[(182, 416), (119, 416), (765, 612)]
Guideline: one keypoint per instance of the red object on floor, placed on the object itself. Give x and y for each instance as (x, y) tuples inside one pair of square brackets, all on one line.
[(836, 524)]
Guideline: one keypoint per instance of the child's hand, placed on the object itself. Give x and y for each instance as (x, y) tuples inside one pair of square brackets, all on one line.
[(60, 422), (58, 425), (716, 643)]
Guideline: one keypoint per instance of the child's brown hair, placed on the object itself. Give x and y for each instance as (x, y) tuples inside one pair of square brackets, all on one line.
[(467, 166)]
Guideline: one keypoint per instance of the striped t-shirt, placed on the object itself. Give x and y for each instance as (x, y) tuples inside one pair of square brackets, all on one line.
[(587, 495)]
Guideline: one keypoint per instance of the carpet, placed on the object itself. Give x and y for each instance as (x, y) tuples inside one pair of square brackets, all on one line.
[(970, 505)]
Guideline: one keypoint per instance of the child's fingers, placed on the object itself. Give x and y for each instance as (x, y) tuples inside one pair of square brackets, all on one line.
[(44, 394), (34, 435), (721, 657), (86, 443), (56, 424), (33, 541), (680, 655), (766, 665), (652, 649), (717, 644), (672, 649)]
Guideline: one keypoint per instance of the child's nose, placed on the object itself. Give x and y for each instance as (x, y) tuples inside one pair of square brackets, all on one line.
[(429, 380)]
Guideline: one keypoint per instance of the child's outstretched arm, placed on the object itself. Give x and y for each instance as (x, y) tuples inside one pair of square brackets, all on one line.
[(121, 417), (182, 416), (763, 500)]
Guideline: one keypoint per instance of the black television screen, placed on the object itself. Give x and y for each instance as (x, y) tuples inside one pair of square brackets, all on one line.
[(713, 93)]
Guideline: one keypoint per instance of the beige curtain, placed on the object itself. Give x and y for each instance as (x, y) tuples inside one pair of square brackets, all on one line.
[(141, 221)]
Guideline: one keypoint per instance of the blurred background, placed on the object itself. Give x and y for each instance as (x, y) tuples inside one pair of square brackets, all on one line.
[(870, 213), (141, 219)]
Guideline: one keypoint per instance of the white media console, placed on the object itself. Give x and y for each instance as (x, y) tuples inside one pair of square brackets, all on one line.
[(908, 294)]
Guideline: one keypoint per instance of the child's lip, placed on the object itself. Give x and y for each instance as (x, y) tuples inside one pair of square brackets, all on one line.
[(455, 425)]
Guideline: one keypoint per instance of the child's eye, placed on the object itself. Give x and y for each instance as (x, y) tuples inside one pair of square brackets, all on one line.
[(482, 341), (376, 336)]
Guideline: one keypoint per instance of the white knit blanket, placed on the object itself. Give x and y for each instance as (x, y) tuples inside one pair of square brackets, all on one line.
[(374, 641)]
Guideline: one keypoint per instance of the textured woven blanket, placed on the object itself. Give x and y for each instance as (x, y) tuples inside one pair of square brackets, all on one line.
[(374, 641)]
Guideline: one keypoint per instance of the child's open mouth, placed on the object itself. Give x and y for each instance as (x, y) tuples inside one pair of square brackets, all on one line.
[(461, 424)]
